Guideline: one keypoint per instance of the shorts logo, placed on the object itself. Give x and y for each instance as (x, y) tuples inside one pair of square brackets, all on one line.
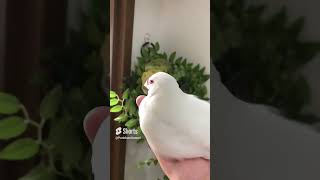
[(118, 130), (125, 133)]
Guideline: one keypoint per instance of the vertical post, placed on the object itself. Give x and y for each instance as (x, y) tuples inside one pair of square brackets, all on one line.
[(2, 39), (122, 16)]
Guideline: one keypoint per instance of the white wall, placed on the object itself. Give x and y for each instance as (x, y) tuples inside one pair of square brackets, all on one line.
[(178, 25)]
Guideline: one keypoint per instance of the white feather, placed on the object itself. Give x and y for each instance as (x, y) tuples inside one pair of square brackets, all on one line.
[(176, 124)]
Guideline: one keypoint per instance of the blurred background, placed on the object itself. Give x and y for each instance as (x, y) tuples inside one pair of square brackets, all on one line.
[(268, 53), (53, 62)]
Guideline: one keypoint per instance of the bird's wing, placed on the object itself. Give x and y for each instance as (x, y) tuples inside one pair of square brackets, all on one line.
[(195, 117)]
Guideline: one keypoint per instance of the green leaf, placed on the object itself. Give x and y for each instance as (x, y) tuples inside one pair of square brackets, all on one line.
[(197, 67), (157, 46), (165, 177), (113, 101), (165, 56), (144, 52), (148, 162), (131, 123), (20, 150), (11, 127), (139, 131), (125, 95), (202, 70), (140, 60), (113, 94), (67, 140), (116, 108), (9, 104), (152, 52), (121, 118), (50, 103), (206, 77), (184, 62), (172, 56), (131, 106), (178, 61), (39, 173)]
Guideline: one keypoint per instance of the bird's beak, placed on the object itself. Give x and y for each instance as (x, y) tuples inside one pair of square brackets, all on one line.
[(146, 84), (145, 88)]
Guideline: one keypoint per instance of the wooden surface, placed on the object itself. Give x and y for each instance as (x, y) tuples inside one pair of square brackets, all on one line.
[(2, 40), (122, 15)]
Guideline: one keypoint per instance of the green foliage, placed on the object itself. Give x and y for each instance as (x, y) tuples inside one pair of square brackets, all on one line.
[(113, 94), (260, 56), (9, 104), (11, 127), (116, 108), (165, 177), (20, 149), (39, 173), (148, 162), (50, 103)]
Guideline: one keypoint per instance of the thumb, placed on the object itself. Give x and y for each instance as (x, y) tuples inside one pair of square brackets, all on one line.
[(168, 165)]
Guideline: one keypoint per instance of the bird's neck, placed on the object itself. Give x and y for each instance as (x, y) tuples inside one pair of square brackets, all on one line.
[(166, 93)]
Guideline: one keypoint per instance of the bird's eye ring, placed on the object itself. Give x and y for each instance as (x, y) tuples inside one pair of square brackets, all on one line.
[(151, 81)]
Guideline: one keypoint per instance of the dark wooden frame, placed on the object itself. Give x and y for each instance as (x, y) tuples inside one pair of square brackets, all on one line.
[(2, 39), (121, 24)]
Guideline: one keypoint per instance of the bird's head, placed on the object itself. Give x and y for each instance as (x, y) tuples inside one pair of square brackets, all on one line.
[(161, 82)]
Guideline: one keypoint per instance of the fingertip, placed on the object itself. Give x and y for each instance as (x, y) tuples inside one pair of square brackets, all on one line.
[(93, 120)]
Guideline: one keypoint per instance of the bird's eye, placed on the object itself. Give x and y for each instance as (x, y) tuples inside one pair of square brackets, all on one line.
[(151, 81)]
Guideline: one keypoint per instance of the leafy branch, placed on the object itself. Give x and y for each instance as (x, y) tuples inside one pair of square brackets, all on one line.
[(13, 126)]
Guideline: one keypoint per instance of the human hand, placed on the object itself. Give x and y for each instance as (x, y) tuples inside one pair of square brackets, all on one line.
[(188, 169), (93, 120)]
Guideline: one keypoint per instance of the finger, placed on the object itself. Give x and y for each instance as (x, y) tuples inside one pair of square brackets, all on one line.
[(167, 165), (197, 168), (93, 120), (139, 99)]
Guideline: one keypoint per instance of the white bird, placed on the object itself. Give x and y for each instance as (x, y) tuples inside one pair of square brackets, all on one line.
[(175, 124)]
